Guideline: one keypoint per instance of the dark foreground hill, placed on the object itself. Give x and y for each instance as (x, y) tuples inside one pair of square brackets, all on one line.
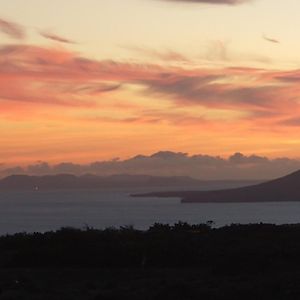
[(178, 262), (67, 181), (282, 189)]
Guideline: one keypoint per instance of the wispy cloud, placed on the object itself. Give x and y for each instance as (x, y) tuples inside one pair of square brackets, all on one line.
[(220, 2), (122, 94), (271, 40), (294, 122), (31, 73), (55, 37), (167, 55), (12, 29)]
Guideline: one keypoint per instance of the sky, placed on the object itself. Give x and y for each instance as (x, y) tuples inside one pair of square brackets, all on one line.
[(94, 80)]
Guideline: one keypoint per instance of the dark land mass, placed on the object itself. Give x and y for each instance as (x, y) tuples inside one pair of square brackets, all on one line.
[(282, 189), (182, 261), (67, 181)]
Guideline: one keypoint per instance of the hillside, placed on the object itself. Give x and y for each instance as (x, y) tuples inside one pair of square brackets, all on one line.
[(171, 262), (286, 188)]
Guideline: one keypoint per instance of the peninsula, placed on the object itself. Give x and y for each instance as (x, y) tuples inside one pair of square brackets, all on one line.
[(286, 188)]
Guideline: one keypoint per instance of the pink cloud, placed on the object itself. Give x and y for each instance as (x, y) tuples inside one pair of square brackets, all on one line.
[(57, 76)]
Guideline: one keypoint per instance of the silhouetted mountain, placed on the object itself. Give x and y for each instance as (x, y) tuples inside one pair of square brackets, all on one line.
[(88, 181), (66, 181), (282, 189)]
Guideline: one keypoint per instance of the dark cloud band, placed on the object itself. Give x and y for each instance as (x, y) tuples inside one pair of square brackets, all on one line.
[(220, 2), (167, 163)]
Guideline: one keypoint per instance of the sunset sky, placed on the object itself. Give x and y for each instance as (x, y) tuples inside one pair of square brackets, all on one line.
[(90, 80)]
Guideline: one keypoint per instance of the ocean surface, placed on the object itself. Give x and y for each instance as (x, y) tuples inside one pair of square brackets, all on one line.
[(41, 211)]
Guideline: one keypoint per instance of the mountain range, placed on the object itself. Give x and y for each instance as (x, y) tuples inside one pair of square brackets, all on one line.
[(67, 181)]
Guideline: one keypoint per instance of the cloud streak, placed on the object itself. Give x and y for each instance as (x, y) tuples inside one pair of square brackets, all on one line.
[(167, 55), (215, 2), (12, 29), (98, 104), (271, 40), (56, 38), (58, 76)]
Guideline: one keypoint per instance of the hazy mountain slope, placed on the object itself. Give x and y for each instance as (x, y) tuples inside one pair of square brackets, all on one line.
[(67, 181), (282, 189)]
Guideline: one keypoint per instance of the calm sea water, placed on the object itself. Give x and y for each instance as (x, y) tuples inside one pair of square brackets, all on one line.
[(49, 210)]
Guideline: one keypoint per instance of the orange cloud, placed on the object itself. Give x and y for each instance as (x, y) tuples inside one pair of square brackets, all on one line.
[(46, 75), (92, 105), (36, 74)]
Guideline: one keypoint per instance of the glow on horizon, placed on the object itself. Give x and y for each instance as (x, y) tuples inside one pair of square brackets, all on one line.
[(106, 79)]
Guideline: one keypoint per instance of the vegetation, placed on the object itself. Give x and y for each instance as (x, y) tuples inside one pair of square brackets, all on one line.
[(182, 261)]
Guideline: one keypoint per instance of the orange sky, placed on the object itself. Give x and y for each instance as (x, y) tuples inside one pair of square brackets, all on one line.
[(60, 102)]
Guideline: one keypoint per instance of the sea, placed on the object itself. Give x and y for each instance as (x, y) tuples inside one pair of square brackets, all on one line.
[(40, 211)]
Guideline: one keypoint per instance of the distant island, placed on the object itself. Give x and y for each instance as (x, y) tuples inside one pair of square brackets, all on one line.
[(88, 181), (286, 188)]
